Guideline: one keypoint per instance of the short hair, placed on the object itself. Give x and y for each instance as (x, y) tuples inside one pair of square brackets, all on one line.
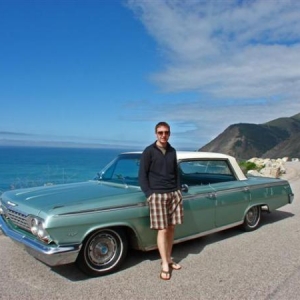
[(162, 124)]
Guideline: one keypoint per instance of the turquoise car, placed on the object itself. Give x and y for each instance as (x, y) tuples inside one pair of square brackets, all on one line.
[(94, 223)]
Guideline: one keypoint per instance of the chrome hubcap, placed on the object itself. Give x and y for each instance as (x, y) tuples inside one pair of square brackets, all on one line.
[(102, 249), (252, 215)]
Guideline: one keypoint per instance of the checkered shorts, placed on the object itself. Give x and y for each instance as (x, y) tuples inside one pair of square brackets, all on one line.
[(165, 209)]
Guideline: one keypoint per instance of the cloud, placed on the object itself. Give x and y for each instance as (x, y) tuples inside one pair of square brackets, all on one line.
[(235, 49), (241, 59), (8, 133)]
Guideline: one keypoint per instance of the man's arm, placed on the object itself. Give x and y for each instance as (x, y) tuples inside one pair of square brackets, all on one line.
[(177, 173), (144, 173)]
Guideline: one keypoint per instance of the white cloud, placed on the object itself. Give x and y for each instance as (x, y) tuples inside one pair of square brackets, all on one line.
[(221, 45), (242, 58)]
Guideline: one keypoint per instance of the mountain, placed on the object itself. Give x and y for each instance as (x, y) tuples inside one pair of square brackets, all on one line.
[(275, 139)]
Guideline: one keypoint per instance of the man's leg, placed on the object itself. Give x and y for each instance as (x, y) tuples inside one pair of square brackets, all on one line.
[(170, 234), (170, 240), (162, 244), (176, 218)]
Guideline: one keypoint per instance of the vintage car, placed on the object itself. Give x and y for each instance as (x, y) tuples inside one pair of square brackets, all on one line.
[(94, 223)]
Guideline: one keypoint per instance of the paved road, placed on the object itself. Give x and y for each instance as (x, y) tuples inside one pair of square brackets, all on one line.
[(264, 264)]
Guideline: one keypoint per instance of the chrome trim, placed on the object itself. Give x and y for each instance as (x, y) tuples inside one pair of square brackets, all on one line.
[(291, 197), (50, 255), (230, 191), (17, 217), (198, 235), (269, 184), (215, 193), (111, 208)]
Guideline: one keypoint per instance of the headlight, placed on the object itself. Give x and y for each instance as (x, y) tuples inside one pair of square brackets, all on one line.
[(37, 229), (42, 233), (34, 225)]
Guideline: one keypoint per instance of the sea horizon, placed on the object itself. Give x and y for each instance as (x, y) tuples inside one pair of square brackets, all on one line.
[(57, 144), (29, 166)]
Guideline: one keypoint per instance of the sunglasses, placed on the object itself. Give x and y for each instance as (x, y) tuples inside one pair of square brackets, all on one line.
[(163, 132)]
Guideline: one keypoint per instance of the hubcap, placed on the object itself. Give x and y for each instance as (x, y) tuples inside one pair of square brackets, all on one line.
[(102, 249), (252, 216)]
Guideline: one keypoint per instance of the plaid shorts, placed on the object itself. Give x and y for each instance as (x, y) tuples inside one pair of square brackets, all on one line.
[(165, 209)]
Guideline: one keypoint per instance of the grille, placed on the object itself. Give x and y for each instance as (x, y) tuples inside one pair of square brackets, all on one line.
[(18, 219)]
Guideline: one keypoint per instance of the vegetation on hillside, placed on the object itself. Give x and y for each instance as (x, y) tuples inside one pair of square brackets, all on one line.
[(248, 165)]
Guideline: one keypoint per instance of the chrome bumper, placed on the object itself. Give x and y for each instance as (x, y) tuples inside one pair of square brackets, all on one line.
[(51, 256), (291, 198)]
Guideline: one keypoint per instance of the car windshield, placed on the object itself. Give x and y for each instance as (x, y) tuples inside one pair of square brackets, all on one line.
[(123, 169)]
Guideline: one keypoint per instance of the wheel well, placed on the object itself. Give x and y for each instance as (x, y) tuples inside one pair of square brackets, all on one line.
[(132, 237), (263, 207), (128, 232)]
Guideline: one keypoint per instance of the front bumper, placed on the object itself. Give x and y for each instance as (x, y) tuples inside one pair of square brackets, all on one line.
[(51, 256), (291, 198)]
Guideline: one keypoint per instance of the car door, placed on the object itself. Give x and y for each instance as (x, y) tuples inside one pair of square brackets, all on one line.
[(232, 196), (232, 200), (216, 198), (198, 201)]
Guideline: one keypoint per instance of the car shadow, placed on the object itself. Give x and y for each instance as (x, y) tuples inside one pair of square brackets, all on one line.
[(180, 251)]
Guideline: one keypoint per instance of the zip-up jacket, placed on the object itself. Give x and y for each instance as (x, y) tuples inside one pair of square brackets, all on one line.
[(158, 172)]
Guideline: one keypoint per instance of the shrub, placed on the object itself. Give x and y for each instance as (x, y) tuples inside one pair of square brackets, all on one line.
[(248, 165)]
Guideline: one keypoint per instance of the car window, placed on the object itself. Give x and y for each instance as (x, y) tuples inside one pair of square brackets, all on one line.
[(123, 169), (127, 168), (199, 172)]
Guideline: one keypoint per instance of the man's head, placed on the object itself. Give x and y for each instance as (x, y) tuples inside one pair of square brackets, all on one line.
[(162, 130), (162, 124)]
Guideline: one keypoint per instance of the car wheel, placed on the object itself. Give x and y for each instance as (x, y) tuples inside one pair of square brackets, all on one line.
[(252, 218), (103, 252)]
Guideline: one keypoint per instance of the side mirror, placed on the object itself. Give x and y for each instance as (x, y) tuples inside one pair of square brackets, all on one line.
[(185, 188)]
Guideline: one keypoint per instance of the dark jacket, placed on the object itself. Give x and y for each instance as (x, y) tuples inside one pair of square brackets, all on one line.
[(158, 172)]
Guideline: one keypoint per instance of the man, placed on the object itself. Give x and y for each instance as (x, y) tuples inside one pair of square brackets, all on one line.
[(159, 180)]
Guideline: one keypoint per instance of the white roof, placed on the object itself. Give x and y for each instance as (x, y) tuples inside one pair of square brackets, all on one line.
[(194, 154), (209, 155), (199, 154), (213, 155)]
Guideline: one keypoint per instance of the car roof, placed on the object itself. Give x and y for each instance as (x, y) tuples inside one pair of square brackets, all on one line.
[(182, 155), (193, 154), (200, 154)]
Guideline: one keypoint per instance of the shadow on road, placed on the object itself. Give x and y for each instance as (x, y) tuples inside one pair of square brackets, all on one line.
[(180, 251)]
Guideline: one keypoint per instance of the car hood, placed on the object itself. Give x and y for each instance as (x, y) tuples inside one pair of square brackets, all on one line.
[(67, 197)]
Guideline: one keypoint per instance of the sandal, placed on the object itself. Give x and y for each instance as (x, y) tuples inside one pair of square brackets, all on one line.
[(166, 276), (174, 266)]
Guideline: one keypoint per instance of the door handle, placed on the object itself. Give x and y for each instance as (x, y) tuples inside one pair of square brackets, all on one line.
[(212, 196)]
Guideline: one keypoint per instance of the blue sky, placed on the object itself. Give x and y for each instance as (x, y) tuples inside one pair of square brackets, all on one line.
[(103, 73)]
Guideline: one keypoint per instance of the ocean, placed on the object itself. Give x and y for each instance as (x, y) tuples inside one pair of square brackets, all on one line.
[(22, 167)]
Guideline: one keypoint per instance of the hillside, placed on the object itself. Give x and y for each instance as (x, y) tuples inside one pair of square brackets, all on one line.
[(274, 139)]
